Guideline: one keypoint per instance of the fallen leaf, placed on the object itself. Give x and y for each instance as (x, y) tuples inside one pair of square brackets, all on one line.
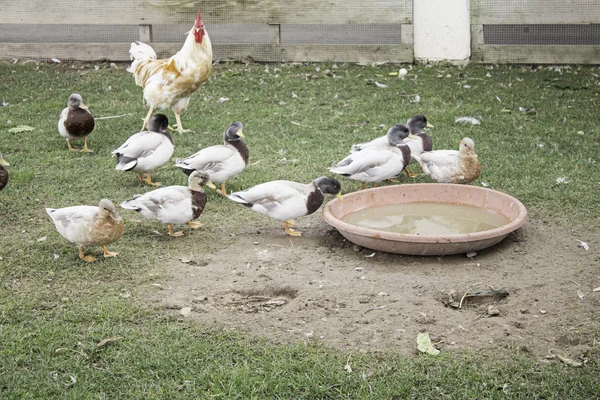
[(370, 255), (42, 238), (21, 128), (107, 340), (416, 99), (471, 254), (424, 344), (569, 361), (584, 245), (469, 120), (380, 85)]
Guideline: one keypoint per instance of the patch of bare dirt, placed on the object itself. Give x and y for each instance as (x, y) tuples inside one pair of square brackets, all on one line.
[(322, 288)]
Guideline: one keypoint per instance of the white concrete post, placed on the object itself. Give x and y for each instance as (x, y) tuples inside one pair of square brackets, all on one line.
[(442, 30)]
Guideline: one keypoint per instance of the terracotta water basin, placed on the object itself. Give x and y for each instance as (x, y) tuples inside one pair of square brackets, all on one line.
[(512, 209)]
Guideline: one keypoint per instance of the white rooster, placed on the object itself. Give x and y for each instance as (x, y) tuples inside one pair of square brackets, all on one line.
[(170, 82)]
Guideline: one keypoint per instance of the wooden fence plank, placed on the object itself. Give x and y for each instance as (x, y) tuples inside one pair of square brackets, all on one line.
[(147, 12), (476, 34), (535, 12), (406, 32), (274, 34), (260, 52), (146, 33), (552, 54)]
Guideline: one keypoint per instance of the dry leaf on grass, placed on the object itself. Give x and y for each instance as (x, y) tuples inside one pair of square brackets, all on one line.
[(569, 361), (424, 344), (107, 340), (21, 128)]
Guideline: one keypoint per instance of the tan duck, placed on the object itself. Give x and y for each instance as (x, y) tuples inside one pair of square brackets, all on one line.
[(452, 166), (89, 226), (76, 122), (3, 172)]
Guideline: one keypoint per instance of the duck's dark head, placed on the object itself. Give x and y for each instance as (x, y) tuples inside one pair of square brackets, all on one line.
[(417, 123), (329, 185), (234, 132), (397, 133), (159, 123)]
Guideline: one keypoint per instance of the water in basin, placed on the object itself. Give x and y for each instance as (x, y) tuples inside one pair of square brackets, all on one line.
[(427, 219)]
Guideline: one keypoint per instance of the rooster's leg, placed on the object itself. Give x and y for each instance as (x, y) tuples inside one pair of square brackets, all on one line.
[(148, 116), (179, 126)]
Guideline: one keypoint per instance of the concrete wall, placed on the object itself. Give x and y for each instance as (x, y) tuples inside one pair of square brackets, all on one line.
[(442, 30)]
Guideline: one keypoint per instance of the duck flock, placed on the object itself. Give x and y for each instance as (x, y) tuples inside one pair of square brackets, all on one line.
[(381, 159)]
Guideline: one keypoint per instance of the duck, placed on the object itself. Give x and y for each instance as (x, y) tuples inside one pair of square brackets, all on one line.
[(452, 166), (221, 162), (146, 151), (285, 200), (89, 226), (377, 163), (417, 140), (76, 122), (3, 172), (415, 124), (174, 204)]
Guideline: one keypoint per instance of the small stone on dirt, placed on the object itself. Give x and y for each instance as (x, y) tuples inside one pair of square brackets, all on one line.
[(543, 311), (493, 311), (471, 254), (185, 311)]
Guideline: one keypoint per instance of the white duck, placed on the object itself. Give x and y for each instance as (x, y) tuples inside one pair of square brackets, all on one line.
[(76, 122), (377, 163), (146, 151), (286, 200), (452, 166), (174, 204), (221, 162), (89, 226)]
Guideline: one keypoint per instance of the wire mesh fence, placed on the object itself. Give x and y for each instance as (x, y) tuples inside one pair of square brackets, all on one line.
[(536, 31), (507, 31), (288, 30)]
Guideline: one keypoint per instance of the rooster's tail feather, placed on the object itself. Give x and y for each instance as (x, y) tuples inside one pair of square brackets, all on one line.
[(142, 55)]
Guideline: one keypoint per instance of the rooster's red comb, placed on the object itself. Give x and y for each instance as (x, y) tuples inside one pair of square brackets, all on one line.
[(198, 20)]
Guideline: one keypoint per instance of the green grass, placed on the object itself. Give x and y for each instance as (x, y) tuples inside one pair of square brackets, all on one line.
[(49, 299)]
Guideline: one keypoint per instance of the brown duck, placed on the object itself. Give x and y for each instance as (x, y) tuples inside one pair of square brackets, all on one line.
[(76, 122)]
